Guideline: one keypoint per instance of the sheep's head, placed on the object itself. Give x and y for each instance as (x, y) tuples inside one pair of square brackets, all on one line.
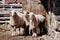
[(12, 12), (30, 14), (25, 12)]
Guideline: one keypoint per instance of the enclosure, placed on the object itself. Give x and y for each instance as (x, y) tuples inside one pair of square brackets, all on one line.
[(51, 7)]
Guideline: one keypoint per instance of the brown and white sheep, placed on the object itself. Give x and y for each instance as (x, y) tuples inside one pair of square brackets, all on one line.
[(17, 21)]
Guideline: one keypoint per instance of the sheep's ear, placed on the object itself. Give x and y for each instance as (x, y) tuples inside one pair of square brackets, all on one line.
[(21, 12), (15, 13)]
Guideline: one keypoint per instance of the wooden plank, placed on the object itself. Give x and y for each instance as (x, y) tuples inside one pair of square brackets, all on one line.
[(11, 5), (4, 21), (4, 17), (4, 13), (9, 9)]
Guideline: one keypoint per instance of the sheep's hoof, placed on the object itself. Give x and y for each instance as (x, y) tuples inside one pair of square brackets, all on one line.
[(13, 34), (27, 24), (34, 34)]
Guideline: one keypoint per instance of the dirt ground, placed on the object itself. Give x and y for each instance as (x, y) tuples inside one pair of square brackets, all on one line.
[(5, 34)]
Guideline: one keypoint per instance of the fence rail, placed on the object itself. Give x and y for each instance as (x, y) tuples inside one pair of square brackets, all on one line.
[(4, 17), (4, 21)]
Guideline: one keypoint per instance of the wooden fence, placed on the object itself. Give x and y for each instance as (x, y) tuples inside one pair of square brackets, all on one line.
[(5, 10), (4, 18)]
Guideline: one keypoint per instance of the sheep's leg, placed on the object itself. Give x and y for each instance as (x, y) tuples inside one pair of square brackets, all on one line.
[(21, 30), (13, 31), (34, 32), (17, 31), (29, 31)]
